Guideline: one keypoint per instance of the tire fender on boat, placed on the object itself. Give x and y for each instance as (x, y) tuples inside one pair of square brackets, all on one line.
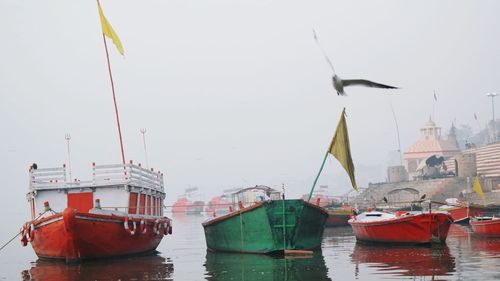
[(156, 227), (142, 227), (127, 228), (24, 238), (165, 228), (30, 232), (169, 228)]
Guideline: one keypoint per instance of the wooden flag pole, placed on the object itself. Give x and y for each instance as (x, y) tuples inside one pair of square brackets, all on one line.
[(317, 176), (114, 98)]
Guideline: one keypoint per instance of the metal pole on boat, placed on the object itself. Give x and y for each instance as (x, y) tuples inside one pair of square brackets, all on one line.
[(317, 177), (284, 217), (114, 99), (143, 132), (111, 76), (68, 138)]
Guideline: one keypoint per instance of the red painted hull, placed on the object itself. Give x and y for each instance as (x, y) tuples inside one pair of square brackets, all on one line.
[(412, 229), (486, 227), (337, 220), (74, 236), (462, 214)]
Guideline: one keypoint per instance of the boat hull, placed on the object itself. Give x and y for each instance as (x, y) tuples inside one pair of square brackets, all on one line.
[(338, 218), (486, 227), (421, 228), (261, 228), (74, 236), (463, 213)]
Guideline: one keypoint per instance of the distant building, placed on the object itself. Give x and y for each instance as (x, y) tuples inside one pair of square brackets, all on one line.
[(430, 143)]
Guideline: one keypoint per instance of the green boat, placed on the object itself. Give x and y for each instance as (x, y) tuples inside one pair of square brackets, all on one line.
[(268, 226)]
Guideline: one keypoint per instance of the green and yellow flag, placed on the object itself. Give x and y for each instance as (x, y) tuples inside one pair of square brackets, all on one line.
[(109, 32), (341, 149), (477, 188)]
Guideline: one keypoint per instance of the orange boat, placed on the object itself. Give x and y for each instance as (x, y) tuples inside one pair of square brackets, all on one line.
[(68, 224), (488, 226), (186, 204), (401, 227)]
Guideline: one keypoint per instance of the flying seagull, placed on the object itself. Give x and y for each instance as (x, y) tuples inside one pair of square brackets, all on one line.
[(339, 83)]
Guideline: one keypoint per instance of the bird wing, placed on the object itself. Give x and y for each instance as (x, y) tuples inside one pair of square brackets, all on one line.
[(366, 83), (323, 51)]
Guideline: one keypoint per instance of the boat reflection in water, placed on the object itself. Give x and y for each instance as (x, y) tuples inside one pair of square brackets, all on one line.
[(234, 266), (147, 267), (486, 246), (405, 260)]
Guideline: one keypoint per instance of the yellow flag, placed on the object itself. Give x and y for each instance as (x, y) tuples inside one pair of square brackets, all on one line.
[(108, 31), (477, 188), (340, 148)]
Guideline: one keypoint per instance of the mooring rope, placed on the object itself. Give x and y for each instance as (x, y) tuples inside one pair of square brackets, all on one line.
[(5, 245)]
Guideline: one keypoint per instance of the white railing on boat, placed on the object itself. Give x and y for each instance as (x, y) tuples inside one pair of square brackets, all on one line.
[(102, 175)]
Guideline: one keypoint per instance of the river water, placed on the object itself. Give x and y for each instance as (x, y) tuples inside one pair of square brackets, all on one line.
[(183, 256)]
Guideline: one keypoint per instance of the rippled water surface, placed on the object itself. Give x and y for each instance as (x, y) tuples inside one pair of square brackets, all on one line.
[(183, 256)]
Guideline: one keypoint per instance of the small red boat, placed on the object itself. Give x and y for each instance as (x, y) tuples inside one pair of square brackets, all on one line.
[(401, 227), (188, 204), (488, 226), (72, 226), (461, 211), (339, 216)]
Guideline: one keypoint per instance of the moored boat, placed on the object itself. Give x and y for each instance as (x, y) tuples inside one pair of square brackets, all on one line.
[(188, 203), (267, 226), (401, 227), (69, 223), (220, 205), (488, 226), (339, 216), (461, 211)]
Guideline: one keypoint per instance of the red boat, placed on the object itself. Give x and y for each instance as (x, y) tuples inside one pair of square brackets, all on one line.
[(401, 227), (488, 226), (68, 224), (339, 216), (186, 204), (461, 211)]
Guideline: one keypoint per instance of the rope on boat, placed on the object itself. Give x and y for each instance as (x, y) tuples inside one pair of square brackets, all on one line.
[(19, 233), (10, 241)]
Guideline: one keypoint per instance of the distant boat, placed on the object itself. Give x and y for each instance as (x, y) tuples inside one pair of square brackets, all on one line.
[(462, 211), (321, 197), (487, 226), (188, 203), (265, 223), (220, 205), (401, 227), (118, 212), (339, 215)]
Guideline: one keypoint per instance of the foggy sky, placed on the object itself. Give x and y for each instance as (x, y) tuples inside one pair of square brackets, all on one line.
[(235, 93)]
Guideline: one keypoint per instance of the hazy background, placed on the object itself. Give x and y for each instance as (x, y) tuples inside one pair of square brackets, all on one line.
[(234, 93)]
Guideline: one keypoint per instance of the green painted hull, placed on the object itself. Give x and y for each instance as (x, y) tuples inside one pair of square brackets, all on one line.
[(260, 228)]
